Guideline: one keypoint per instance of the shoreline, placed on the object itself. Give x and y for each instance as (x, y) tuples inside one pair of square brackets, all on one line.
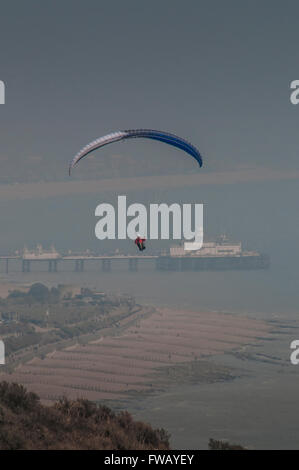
[(144, 354)]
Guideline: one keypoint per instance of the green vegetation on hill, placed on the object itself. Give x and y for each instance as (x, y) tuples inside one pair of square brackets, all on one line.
[(79, 424), (31, 320), (223, 445)]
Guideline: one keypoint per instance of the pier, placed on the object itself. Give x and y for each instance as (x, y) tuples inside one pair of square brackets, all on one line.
[(176, 260), (56, 261)]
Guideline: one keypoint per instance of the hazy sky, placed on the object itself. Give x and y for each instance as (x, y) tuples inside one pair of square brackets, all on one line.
[(215, 72)]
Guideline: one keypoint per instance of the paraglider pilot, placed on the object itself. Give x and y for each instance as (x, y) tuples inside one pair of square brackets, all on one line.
[(140, 243)]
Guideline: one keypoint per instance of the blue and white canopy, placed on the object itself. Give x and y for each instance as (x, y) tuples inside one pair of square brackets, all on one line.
[(161, 136)]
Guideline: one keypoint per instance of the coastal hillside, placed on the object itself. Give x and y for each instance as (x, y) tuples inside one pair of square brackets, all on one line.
[(70, 424)]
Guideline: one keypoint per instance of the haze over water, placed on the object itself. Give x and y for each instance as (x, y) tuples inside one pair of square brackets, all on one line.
[(263, 216)]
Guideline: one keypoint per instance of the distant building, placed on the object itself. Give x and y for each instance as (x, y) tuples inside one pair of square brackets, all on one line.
[(220, 247), (218, 255), (68, 291), (40, 254)]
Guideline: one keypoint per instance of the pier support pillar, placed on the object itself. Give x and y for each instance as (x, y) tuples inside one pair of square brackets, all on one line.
[(26, 266), (133, 264), (106, 265), (79, 265), (52, 267), (6, 267)]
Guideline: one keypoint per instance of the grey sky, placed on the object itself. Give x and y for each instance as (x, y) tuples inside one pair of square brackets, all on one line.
[(215, 72)]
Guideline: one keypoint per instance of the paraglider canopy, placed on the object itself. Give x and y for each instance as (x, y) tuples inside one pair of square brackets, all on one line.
[(166, 137)]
